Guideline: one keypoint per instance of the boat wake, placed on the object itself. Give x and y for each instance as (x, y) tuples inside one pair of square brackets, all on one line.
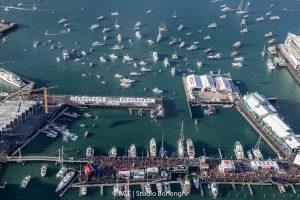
[(20, 8), (59, 33)]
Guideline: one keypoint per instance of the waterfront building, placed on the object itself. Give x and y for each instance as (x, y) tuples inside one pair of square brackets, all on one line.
[(267, 115), (227, 166), (291, 50)]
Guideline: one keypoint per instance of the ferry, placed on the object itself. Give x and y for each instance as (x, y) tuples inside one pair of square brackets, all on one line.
[(180, 143), (113, 152), (66, 179), (270, 64), (43, 170), (214, 190), (186, 186), (152, 148), (190, 148), (132, 151), (11, 78), (25, 182), (89, 152), (239, 151)]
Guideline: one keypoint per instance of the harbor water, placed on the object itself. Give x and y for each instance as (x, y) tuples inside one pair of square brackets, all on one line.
[(116, 127)]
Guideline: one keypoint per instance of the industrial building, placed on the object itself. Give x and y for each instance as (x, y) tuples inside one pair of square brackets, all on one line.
[(14, 113), (268, 117)]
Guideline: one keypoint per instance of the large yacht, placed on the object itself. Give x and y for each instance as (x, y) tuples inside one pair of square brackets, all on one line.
[(11, 78), (238, 150), (132, 151), (152, 147), (190, 148), (67, 178)]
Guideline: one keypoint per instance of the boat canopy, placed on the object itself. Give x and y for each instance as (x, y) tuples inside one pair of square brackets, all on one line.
[(223, 84)]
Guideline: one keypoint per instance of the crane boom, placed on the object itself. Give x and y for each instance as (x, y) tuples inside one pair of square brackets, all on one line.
[(45, 89)]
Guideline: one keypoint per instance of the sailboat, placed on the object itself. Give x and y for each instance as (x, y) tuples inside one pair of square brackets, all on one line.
[(117, 26), (162, 151), (263, 52), (180, 143), (240, 11), (174, 14)]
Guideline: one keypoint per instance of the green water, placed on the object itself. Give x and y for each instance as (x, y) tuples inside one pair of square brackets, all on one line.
[(115, 127)]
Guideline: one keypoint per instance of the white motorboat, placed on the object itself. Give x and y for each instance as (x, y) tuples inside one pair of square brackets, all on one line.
[(155, 56), (208, 50), (199, 63), (270, 34), (180, 27), (132, 151), (223, 16), (148, 189), (104, 30), (249, 154), (94, 26), (119, 38), (239, 59), (153, 151), (89, 153), (142, 63), (190, 148), (166, 62), (25, 181), (217, 56), (260, 19), (117, 191), (66, 55), (226, 9), (175, 56), (244, 30), (192, 47), (125, 85), (118, 76), (214, 190), (276, 17), (150, 42), (127, 58), (243, 22), (135, 74), (62, 20), (182, 44), (257, 154), (237, 64), (117, 47), (239, 151), (100, 17), (237, 44), (113, 152), (113, 56), (102, 59), (61, 172), (138, 35), (234, 53), (43, 170), (97, 44), (145, 69), (272, 41), (159, 187), (116, 13), (157, 91), (208, 37), (83, 191), (270, 64), (213, 25)]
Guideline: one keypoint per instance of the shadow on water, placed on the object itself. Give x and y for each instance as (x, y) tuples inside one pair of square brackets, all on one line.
[(121, 123), (242, 86), (170, 111)]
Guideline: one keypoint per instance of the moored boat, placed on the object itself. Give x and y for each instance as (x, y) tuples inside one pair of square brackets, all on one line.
[(153, 150)]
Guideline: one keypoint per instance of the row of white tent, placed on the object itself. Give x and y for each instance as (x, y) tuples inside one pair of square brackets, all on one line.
[(268, 114), (208, 83)]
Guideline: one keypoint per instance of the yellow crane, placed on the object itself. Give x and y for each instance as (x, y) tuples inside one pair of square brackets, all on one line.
[(45, 89)]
